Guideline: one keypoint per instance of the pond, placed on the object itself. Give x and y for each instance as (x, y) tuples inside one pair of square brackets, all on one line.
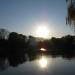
[(42, 64)]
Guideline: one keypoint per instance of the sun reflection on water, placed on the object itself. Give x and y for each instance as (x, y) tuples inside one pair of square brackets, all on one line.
[(43, 62)]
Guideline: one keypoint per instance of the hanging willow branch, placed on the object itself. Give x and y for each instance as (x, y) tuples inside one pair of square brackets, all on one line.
[(70, 20)]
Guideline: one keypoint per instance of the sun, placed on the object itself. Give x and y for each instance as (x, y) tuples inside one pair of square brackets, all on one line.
[(42, 31)]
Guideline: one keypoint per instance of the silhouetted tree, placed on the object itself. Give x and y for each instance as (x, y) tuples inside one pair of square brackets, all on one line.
[(71, 13), (4, 34)]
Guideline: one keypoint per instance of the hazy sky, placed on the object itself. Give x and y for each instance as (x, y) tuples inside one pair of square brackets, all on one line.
[(23, 16)]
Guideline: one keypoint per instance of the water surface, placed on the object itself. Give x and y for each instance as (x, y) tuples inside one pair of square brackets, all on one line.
[(40, 65)]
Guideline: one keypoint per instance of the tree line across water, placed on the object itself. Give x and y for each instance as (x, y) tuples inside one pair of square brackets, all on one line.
[(9, 41)]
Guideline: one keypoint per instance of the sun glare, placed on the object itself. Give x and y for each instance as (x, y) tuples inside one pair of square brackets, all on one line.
[(42, 31), (43, 49)]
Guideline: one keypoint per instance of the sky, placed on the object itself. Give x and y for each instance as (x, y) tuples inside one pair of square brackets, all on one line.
[(23, 16)]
